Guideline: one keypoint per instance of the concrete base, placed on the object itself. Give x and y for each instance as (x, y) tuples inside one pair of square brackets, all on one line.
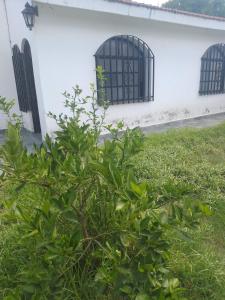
[(30, 138), (199, 122)]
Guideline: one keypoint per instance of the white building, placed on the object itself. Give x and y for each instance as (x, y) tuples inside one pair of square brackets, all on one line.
[(163, 65)]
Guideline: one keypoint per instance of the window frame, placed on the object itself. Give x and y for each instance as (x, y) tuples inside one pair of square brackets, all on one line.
[(212, 73), (136, 85)]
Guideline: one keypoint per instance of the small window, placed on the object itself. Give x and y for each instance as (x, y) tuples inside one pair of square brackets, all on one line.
[(213, 71), (128, 65)]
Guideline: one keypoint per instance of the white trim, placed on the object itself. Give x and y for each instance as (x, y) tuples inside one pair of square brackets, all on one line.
[(143, 12), (7, 21)]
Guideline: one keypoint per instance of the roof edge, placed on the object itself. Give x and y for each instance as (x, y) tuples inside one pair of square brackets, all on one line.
[(130, 8), (170, 10)]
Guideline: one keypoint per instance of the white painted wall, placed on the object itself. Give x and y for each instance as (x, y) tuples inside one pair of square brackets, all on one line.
[(67, 39), (7, 81)]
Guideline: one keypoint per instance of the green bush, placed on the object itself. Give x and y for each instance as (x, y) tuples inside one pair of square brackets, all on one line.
[(75, 221)]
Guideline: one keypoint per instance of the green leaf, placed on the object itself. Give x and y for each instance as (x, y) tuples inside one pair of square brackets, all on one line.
[(136, 188), (126, 240), (139, 189), (20, 187), (32, 233), (124, 271), (142, 297), (126, 289), (29, 289), (54, 233), (120, 205), (206, 210)]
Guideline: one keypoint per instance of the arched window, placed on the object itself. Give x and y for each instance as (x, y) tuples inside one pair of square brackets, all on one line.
[(128, 65), (213, 71)]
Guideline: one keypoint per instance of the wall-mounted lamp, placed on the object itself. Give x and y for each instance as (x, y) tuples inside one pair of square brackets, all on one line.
[(29, 13)]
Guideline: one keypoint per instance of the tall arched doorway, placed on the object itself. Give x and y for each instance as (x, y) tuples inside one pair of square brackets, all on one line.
[(30, 85), (20, 79)]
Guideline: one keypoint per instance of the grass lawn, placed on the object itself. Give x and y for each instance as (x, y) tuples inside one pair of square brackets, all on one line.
[(190, 163)]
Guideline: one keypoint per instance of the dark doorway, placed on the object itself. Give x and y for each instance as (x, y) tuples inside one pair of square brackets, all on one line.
[(20, 79), (25, 84), (30, 85)]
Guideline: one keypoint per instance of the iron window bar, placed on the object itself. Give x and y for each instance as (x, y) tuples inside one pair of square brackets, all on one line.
[(212, 76), (128, 65)]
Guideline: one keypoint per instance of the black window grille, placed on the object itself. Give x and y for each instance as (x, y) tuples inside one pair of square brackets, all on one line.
[(20, 79), (128, 65), (213, 71)]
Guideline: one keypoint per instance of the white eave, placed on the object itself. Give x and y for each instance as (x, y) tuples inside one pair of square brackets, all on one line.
[(143, 12)]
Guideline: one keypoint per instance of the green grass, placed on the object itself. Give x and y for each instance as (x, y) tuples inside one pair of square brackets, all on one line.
[(192, 162)]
